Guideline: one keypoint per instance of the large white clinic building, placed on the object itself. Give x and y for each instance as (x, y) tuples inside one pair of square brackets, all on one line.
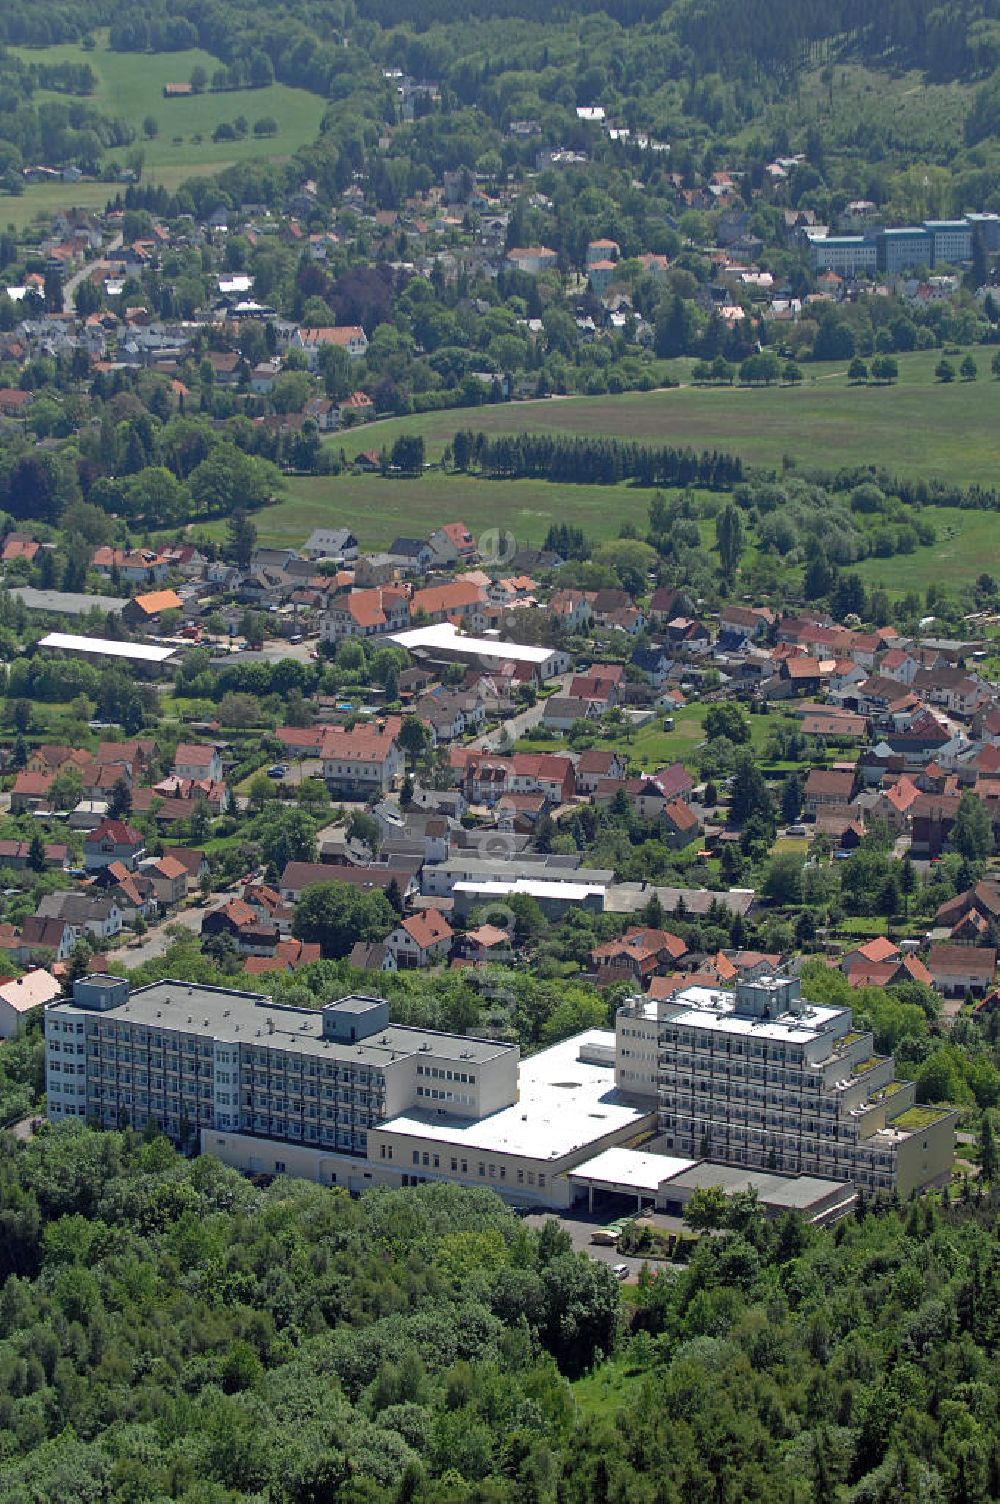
[(336, 1094), (761, 1077)]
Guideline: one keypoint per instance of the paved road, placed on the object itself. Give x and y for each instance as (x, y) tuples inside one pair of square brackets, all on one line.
[(517, 725), (156, 941), (70, 287)]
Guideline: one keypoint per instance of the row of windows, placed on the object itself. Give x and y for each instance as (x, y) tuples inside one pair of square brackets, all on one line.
[(440, 1094), (438, 1073)]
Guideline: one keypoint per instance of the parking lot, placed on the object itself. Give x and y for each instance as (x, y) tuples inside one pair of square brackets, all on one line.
[(582, 1227)]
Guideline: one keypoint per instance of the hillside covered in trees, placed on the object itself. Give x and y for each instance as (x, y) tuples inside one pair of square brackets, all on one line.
[(169, 1331)]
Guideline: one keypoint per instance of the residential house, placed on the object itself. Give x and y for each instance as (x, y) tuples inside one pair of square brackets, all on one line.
[(351, 338), (983, 898), (86, 912), (749, 622), (367, 955), (637, 956), (654, 662), (599, 684), (113, 841), (680, 825), (931, 819), (563, 711), (362, 761), (331, 543), (17, 854), (139, 566), (366, 613), (420, 940), (456, 600), (195, 761), (452, 545), (827, 786), (650, 793), (688, 635), (594, 765), (169, 879), (961, 969), (194, 862), (145, 610), (30, 791), (19, 996), (415, 555), (288, 955), (486, 945), (531, 259), (572, 609), (39, 935), (666, 602), (251, 934)]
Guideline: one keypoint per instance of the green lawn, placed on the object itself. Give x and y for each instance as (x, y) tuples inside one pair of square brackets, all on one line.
[(966, 546), (651, 747), (916, 427), (130, 85)]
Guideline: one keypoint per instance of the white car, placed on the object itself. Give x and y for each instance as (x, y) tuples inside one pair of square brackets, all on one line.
[(621, 1271)]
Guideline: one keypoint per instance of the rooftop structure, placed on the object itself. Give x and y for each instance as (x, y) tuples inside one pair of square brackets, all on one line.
[(443, 639), (106, 647)]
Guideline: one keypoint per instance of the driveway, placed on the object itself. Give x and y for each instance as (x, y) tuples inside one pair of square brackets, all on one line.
[(516, 725), (156, 942), (582, 1227)]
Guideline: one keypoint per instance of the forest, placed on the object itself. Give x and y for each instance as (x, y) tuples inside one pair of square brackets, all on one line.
[(170, 1331)]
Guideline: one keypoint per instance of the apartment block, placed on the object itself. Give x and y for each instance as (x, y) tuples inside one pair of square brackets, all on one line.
[(849, 256), (192, 1058), (765, 1079)]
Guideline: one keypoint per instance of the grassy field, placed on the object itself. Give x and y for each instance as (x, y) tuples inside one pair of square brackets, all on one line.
[(380, 509), (967, 545), (916, 427), (130, 85)]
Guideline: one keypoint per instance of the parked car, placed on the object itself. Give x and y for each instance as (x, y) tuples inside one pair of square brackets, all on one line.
[(278, 771), (621, 1271)]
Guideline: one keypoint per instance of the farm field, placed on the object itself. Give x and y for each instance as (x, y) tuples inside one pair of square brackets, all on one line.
[(381, 508), (130, 85), (917, 427)]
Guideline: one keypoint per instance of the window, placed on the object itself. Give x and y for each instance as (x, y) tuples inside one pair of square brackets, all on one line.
[(482, 1169), (416, 1156)]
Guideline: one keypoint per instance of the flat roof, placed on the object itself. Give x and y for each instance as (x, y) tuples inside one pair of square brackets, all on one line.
[(443, 635), (632, 1168), (796, 1191), (565, 1103), (712, 1008), (139, 652), (252, 1018), (67, 602), (534, 887)]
